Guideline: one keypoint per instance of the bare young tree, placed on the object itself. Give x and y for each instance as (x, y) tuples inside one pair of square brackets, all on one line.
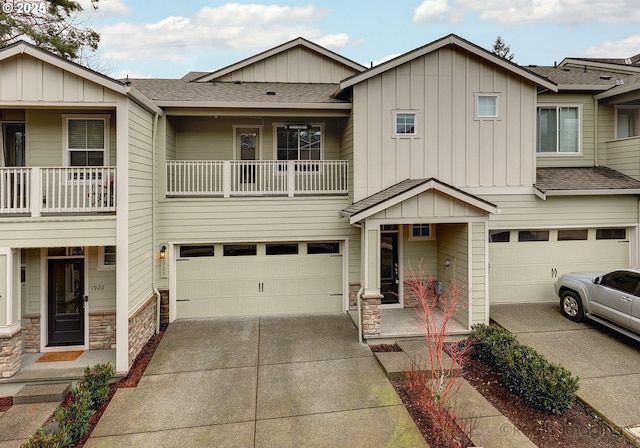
[(54, 25), (503, 50)]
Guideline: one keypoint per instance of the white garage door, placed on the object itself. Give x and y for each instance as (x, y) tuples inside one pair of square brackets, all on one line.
[(524, 265), (258, 279)]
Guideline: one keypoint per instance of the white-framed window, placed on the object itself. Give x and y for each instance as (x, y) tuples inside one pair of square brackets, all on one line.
[(299, 142), (558, 129), (106, 258), (627, 121), (405, 123), (86, 140), (422, 232), (487, 106)]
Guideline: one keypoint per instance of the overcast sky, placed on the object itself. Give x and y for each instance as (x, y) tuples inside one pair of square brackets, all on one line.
[(168, 38)]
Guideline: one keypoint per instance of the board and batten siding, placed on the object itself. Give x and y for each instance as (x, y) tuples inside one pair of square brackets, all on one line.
[(587, 129), (451, 145), (530, 212), (296, 65), (140, 227), (25, 78)]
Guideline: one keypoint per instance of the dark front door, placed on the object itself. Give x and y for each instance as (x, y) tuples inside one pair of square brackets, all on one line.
[(66, 302), (389, 275)]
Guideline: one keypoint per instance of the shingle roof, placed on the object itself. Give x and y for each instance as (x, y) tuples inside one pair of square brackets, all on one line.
[(383, 195), (162, 90), (578, 76), (583, 179)]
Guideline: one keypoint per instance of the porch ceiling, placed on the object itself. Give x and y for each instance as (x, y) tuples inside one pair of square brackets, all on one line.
[(407, 189)]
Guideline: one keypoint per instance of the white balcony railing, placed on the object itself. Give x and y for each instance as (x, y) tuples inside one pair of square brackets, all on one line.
[(203, 178), (57, 190)]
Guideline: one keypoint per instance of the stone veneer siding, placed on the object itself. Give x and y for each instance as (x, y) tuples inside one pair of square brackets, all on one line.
[(353, 295), (371, 316), (164, 306), (141, 327), (10, 354), (102, 330), (31, 333)]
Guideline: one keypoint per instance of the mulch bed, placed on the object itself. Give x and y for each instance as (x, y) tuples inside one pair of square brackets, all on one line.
[(577, 427), (131, 380)]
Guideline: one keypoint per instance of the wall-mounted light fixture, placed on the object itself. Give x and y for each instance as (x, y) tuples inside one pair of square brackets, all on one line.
[(163, 252)]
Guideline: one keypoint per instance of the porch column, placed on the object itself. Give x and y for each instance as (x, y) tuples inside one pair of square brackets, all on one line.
[(10, 329), (371, 299)]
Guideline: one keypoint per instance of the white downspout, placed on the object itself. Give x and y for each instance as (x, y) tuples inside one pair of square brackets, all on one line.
[(154, 178)]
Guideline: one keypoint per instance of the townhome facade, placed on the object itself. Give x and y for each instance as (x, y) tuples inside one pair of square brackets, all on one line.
[(300, 182)]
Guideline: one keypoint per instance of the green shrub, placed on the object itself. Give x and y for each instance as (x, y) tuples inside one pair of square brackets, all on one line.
[(96, 382), (74, 419), (54, 437), (543, 385)]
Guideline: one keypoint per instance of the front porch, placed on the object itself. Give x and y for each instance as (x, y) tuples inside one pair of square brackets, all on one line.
[(400, 323), (34, 372)]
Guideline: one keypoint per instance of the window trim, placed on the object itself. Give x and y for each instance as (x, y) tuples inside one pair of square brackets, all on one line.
[(65, 136), (416, 128), (476, 100), (102, 266), (636, 124), (432, 232), (557, 153), (276, 126)]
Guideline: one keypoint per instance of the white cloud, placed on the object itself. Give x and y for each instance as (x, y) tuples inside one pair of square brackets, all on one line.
[(234, 26), (386, 58), (431, 11), (105, 8), (624, 48), (569, 12)]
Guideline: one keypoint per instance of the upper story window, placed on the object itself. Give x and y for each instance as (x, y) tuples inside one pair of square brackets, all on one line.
[(86, 139), (627, 121), (558, 130), (405, 123), (487, 106), (299, 142)]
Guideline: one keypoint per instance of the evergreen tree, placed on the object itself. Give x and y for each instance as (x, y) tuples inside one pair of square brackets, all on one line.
[(503, 50), (53, 25)]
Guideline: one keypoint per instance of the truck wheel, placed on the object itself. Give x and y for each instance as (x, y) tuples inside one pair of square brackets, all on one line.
[(571, 306)]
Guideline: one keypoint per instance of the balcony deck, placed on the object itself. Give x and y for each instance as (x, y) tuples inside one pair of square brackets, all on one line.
[(233, 178), (37, 191)]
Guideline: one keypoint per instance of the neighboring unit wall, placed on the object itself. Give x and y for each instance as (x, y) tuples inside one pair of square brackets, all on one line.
[(298, 64), (623, 156), (451, 145), (140, 199), (453, 263), (587, 129)]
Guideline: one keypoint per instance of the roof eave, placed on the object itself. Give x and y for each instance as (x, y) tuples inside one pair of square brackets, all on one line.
[(598, 192), (245, 105)]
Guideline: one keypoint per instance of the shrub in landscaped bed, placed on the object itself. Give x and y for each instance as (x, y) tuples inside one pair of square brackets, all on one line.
[(69, 423), (542, 384)]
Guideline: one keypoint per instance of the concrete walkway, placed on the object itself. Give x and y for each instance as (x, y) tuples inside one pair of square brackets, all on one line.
[(608, 364), (259, 382)]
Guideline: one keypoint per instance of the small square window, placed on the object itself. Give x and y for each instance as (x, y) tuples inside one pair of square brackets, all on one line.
[(106, 258), (421, 232), (405, 123), (487, 106)]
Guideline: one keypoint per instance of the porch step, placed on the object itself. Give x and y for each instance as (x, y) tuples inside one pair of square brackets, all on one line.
[(42, 393), (414, 355)]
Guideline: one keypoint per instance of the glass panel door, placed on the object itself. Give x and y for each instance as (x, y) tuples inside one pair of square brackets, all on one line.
[(389, 275), (66, 302)]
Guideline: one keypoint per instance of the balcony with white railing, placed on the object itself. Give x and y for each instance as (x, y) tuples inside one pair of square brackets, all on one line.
[(234, 178), (37, 191)]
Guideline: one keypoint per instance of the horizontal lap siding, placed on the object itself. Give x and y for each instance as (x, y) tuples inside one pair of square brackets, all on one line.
[(140, 206), (453, 245), (624, 156), (479, 273), (58, 232), (528, 211)]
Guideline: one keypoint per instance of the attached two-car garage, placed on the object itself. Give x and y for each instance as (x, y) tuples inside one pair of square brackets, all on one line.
[(244, 279), (524, 264)]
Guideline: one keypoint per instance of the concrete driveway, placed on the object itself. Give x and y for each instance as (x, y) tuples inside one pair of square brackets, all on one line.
[(608, 364), (259, 382)]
